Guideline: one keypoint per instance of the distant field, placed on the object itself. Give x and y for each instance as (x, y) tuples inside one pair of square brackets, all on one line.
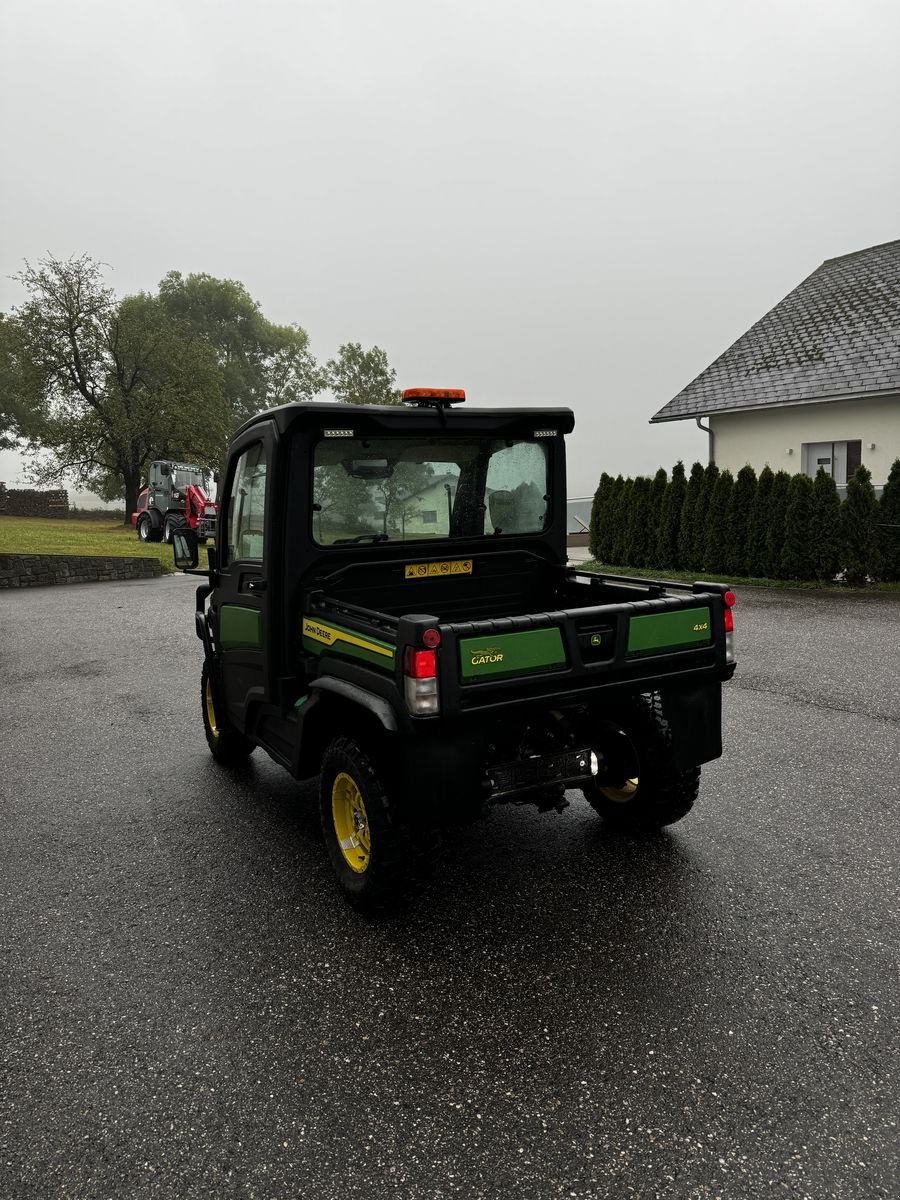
[(35, 535)]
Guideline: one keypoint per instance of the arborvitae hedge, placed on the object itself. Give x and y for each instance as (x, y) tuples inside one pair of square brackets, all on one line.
[(780, 526), (757, 561), (796, 553), (778, 497), (825, 528), (718, 534), (739, 509), (670, 519), (858, 527), (889, 525), (686, 553)]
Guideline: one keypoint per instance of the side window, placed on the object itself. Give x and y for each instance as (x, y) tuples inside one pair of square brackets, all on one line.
[(247, 506)]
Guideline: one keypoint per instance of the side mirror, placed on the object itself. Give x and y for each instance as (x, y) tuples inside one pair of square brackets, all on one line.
[(186, 549), (215, 476)]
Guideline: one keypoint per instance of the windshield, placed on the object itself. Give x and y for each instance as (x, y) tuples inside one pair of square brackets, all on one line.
[(182, 476), (408, 489)]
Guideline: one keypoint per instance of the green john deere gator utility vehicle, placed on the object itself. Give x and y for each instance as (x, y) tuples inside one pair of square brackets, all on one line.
[(389, 608)]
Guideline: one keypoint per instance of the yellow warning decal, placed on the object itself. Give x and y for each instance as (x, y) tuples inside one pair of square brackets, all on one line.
[(429, 570)]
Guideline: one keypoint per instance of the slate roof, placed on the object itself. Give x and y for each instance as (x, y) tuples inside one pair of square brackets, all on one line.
[(836, 336)]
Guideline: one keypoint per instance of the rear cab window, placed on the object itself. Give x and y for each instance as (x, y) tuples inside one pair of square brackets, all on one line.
[(403, 489)]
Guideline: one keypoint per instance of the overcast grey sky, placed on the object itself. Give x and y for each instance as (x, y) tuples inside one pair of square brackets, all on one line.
[(578, 203)]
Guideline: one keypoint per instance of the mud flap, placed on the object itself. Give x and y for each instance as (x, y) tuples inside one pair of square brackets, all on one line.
[(694, 717)]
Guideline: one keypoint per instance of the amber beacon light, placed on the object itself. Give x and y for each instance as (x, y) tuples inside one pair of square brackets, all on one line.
[(433, 397)]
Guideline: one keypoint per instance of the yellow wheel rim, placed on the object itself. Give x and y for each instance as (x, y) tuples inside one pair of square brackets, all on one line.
[(211, 712), (621, 795), (351, 824)]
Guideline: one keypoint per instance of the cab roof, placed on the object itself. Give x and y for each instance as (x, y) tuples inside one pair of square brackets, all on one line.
[(314, 415)]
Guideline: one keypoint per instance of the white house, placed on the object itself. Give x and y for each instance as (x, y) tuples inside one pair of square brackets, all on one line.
[(814, 383)]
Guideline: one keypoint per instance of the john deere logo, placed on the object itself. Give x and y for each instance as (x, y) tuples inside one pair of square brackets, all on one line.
[(489, 655)]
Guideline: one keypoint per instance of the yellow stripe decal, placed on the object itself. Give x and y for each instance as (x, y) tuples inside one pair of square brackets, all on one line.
[(328, 635), (429, 570)]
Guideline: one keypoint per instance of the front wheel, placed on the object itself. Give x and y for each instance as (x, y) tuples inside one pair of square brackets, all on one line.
[(377, 858), (146, 530), (226, 744), (640, 789)]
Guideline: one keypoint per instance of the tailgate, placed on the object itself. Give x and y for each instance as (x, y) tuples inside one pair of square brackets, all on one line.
[(542, 654)]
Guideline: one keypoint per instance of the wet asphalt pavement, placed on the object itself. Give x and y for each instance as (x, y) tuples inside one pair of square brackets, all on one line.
[(190, 1010)]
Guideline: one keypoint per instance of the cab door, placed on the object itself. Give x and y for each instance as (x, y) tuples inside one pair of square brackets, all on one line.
[(244, 559)]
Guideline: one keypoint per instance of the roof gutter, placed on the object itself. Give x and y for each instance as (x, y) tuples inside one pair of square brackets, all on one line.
[(712, 439)]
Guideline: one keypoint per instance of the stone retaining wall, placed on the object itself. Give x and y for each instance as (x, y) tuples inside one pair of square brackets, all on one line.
[(40, 570)]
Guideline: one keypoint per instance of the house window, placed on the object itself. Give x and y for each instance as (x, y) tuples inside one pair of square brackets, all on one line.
[(837, 459), (429, 516)]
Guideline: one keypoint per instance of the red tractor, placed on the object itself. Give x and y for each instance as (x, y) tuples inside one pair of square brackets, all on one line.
[(175, 494)]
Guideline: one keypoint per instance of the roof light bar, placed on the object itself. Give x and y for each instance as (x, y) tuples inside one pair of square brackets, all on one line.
[(433, 397)]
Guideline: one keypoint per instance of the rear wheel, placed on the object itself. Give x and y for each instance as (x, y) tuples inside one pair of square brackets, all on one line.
[(641, 788), (377, 858), (226, 744)]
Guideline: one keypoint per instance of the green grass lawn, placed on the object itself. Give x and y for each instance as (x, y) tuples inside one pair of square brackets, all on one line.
[(37, 535)]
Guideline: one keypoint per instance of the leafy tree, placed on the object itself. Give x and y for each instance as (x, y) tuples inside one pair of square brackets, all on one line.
[(889, 524), (599, 532), (114, 383), (860, 539), (358, 376), (20, 386), (400, 493), (687, 556), (778, 498), (757, 562), (716, 547), (825, 527), (796, 553), (667, 536), (261, 364), (738, 521)]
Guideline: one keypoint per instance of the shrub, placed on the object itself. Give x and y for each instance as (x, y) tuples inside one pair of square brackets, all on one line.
[(858, 530), (667, 534), (700, 516), (619, 520), (825, 528), (889, 525), (739, 508), (687, 556), (718, 533), (599, 532), (638, 515), (757, 561), (796, 552), (778, 497)]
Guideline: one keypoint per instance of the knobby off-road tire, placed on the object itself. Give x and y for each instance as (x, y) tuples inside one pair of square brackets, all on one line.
[(146, 530), (649, 791), (226, 744), (378, 859)]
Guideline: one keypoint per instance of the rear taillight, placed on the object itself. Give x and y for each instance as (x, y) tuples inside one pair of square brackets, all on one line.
[(729, 600), (420, 681)]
